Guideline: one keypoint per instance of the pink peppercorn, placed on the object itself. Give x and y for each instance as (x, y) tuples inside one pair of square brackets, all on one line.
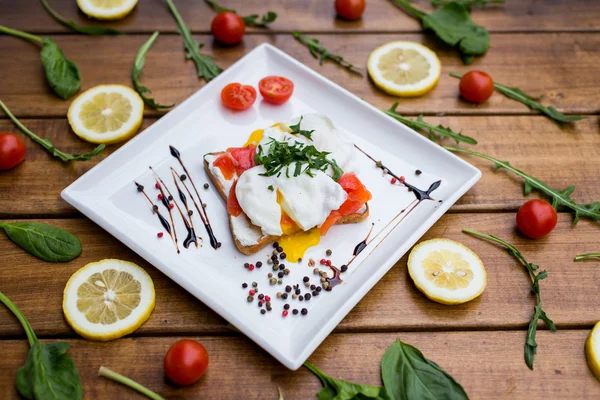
[(267, 298), (160, 196), (322, 261), (402, 179), (157, 185), (252, 292), (284, 313), (393, 181), (171, 205), (251, 267), (328, 263), (160, 234)]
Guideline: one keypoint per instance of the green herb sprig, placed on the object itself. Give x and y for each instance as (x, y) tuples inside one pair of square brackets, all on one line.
[(49, 372), (250, 20), (115, 376), (558, 197), (205, 65), (297, 131), (440, 130), (530, 101), (466, 3), (88, 30), (453, 25), (406, 374), (136, 72), (530, 343), (306, 159), (47, 144), (62, 74), (319, 52), (588, 256)]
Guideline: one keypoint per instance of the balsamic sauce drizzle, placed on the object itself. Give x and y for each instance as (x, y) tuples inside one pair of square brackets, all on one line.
[(163, 220), (165, 201), (191, 237), (361, 246), (203, 214), (336, 279)]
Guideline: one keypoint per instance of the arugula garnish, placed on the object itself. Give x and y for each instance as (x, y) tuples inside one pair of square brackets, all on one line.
[(453, 25), (466, 3), (305, 158), (138, 65), (559, 197), (297, 131), (530, 344), (271, 188), (89, 30), (47, 144), (250, 20), (530, 101), (205, 65), (588, 256), (321, 53), (419, 124)]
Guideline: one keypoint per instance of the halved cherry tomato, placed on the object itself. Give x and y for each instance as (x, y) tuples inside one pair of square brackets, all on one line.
[(238, 97), (536, 218), (476, 86), (233, 207), (350, 9), (185, 362), (226, 163), (228, 28), (243, 156), (12, 151), (276, 89)]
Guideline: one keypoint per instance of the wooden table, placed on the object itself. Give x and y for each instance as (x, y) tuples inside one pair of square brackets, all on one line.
[(549, 47)]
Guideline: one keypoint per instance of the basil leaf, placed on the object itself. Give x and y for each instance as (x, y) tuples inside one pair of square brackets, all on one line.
[(342, 390), (43, 241), (138, 65), (61, 73), (49, 374), (407, 374)]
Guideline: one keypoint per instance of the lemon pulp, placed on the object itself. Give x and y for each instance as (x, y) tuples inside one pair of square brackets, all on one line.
[(105, 112)]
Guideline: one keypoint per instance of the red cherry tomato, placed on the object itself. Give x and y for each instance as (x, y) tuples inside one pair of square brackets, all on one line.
[(276, 89), (238, 97), (536, 218), (185, 362), (350, 9), (476, 86), (228, 28), (12, 151)]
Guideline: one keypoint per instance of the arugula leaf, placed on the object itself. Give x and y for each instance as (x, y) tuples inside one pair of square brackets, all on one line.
[(419, 124), (337, 389), (205, 65), (407, 374), (115, 376), (559, 197), (47, 144), (297, 131), (588, 256), (530, 101), (250, 20), (43, 241), (530, 343), (321, 53), (138, 65), (453, 25), (466, 3), (49, 372), (90, 30)]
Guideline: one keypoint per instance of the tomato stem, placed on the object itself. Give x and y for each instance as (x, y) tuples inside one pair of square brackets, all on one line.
[(110, 374)]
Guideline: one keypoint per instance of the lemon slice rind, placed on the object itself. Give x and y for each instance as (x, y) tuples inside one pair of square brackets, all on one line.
[(92, 8), (124, 132), (477, 275), (592, 350), (418, 88), (104, 332)]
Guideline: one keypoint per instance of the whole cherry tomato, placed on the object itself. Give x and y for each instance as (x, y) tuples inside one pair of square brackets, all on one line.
[(12, 151), (276, 89), (476, 86), (536, 218), (350, 9), (238, 97), (228, 28), (185, 362)]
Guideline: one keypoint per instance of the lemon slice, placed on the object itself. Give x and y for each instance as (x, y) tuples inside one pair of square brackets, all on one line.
[(446, 271), (108, 299), (592, 350), (106, 114), (106, 9), (405, 69)]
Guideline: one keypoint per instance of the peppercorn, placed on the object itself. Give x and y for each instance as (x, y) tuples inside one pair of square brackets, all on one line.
[(280, 282), (263, 311), (304, 311), (284, 296), (326, 285), (270, 275), (295, 311), (312, 287), (294, 296), (344, 268), (278, 295), (160, 196), (299, 260), (155, 208), (282, 267), (183, 177), (298, 291), (252, 292), (286, 271), (328, 252), (258, 264), (275, 252), (286, 306), (250, 299), (246, 265), (261, 296), (275, 268), (318, 288), (276, 262), (311, 262), (323, 280), (260, 304), (316, 271), (301, 298), (418, 172), (284, 313), (307, 296), (269, 261), (159, 235), (244, 285), (190, 213), (315, 293), (204, 205), (251, 267), (268, 303), (206, 186), (280, 274), (283, 256), (279, 249), (307, 284), (288, 288), (276, 244), (254, 284), (272, 281), (269, 308)]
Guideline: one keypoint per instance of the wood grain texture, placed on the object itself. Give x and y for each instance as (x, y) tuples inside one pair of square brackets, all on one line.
[(393, 304), (559, 155), (489, 365), (311, 15), (538, 64)]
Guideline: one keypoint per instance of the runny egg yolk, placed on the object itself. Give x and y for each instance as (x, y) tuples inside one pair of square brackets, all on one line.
[(255, 137), (296, 245)]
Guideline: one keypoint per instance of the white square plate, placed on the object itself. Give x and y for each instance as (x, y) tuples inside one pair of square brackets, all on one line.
[(107, 195)]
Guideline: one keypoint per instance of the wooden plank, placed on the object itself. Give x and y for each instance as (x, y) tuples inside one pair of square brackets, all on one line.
[(560, 156), (540, 64), (393, 304), (489, 365), (313, 15)]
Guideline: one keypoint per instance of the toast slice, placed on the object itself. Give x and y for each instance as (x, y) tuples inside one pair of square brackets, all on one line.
[(265, 240)]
